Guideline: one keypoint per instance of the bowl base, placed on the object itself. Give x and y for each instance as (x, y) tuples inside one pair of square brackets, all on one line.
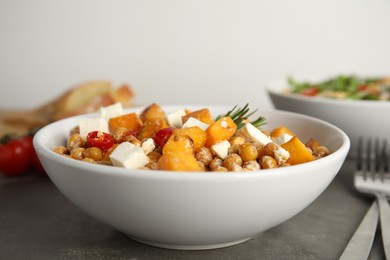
[(189, 247)]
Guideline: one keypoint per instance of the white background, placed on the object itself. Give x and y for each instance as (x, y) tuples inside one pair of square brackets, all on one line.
[(185, 52)]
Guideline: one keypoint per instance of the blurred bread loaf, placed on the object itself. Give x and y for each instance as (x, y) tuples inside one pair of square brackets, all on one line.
[(83, 98)]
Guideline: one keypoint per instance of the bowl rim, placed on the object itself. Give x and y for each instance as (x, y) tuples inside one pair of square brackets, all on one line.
[(280, 88), (118, 171)]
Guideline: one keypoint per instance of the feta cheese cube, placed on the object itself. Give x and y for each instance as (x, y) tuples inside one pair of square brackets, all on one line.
[(195, 122), (175, 118), (128, 156), (88, 125), (281, 155), (114, 110), (148, 145), (221, 149), (250, 132), (281, 139)]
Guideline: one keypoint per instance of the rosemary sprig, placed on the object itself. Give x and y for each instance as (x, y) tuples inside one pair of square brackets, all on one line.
[(241, 115)]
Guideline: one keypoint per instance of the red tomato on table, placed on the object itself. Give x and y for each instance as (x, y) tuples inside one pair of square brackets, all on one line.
[(15, 156)]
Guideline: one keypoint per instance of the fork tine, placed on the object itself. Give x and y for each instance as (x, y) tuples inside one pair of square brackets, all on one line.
[(381, 159), (385, 156), (368, 159), (378, 160), (359, 161)]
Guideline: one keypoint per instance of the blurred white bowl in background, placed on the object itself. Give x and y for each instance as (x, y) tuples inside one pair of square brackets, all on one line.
[(357, 118)]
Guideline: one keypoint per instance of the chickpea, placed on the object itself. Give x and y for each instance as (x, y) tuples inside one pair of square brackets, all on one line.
[(320, 151), (248, 152), (268, 149), (134, 140), (119, 134), (220, 169), (251, 166), (106, 155), (103, 162), (93, 153), (267, 162), (75, 130), (154, 156), (75, 141), (202, 166), (259, 147), (312, 143), (237, 140), (235, 168), (89, 160), (60, 149), (77, 153), (235, 143), (284, 164), (215, 163), (152, 165), (231, 160), (204, 155)]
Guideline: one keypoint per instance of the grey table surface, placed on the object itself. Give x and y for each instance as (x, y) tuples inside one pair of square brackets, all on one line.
[(38, 222)]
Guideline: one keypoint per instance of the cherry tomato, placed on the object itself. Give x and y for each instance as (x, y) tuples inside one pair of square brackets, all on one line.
[(15, 156), (163, 135), (100, 139), (311, 91)]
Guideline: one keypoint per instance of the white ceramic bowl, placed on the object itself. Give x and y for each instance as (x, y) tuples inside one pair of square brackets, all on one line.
[(182, 210), (357, 118)]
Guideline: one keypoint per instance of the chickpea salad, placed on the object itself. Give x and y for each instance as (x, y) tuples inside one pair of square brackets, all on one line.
[(344, 87), (185, 140)]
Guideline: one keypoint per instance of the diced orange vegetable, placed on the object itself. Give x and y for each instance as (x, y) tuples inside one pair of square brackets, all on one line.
[(171, 161), (129, 121), (203, 115), (221, 130), (151, 112), (281, 130), (197, 135), (150, 128), (298, 151), (179, 144)]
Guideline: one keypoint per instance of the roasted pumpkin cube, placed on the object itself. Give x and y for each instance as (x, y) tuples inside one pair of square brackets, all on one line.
[(299, 153), (151, 112), (129, 121), (179, 144), (276, 132), (203, 115), (220, 130), (197, 135), (150, 127), (171, 161)]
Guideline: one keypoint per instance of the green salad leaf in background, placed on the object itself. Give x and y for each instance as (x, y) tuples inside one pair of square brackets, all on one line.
[(344, 87)]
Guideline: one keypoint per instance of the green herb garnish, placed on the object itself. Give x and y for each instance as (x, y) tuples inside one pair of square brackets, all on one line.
[(241, 116)]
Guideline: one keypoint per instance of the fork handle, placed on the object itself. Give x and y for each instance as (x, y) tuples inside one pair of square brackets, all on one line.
[(359, 246), (384, 216)]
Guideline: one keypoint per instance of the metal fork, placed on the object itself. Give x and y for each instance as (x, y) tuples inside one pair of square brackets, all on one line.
[(371, 177)]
